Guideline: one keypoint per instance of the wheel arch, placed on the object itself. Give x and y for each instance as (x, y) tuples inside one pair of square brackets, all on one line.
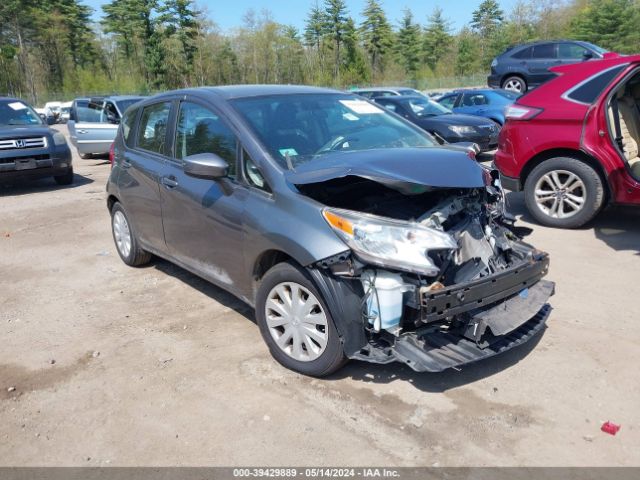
[(111, 201), (570, 153), (269, 259)]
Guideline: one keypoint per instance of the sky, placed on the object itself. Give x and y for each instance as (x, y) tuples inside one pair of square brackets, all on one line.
[(294, 12)]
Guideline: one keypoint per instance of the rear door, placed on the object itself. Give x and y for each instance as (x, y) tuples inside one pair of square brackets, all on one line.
[(139, 179), (89, 130), (202, 218), (474, 103), (543, 57)]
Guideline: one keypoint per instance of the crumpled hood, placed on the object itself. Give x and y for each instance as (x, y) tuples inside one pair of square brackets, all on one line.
[(431, 167)]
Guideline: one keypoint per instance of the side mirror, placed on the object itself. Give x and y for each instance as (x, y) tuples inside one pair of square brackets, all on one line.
[(206, 165), (111, 118), (43, 117), (587, 55), (72, 115)]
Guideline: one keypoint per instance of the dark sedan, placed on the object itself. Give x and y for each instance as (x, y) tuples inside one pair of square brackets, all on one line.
[(442, 123)]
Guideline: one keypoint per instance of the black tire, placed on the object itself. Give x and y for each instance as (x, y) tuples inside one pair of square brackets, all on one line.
[(332, 358), (136, 255), (593, 192), (510, 82), (66, 179), (85, 156)]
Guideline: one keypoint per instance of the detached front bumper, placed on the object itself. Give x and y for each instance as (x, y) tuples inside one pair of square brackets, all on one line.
[(493, 315)]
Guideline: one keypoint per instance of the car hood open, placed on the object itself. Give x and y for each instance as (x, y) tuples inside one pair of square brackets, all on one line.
[(399, 168)]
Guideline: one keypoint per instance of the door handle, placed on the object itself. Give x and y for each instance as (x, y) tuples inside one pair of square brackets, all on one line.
[(169, 182), (125, 164), (82, 131)]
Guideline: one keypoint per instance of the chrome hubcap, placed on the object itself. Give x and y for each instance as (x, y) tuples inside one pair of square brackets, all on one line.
[(513, 85), (560, 194), (296, 321), (122, 234)]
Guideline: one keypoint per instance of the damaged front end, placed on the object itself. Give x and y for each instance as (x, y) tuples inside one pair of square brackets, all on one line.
[(441, 275)]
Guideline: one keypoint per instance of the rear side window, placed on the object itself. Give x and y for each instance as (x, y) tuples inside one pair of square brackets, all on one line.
[(152, 130), (524, 53), (127, 127), (545, 50), (593, 87)]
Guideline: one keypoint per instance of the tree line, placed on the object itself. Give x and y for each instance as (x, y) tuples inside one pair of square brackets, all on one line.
[(55, 48)]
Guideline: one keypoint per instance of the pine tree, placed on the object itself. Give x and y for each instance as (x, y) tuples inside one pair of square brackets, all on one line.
[(315, 27), (467, 56), (376, 34), (179, 20), (437, 39), (408, 44), (611, 24), (487, 21), (336, 25)]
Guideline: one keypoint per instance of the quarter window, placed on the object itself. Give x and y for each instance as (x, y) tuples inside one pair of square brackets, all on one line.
[(152, 132), (252, 173), (592, 88), (127, 124), (199, 130)]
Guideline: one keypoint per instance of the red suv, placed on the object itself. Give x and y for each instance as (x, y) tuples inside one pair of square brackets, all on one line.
[(572, 144)]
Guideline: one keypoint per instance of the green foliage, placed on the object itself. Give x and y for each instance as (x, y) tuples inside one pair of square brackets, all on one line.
[(376, 34), (437, 39), (408, 44), (51, 49), (611, 24)]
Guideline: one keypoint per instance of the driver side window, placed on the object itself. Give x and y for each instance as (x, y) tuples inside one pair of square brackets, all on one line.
[(199, 130)]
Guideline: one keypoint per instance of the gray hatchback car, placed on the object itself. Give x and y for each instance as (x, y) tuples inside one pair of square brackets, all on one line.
[(349, 230)]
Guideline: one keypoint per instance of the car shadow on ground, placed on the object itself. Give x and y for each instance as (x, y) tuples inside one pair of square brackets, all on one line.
[(617, 226), (209, 289), (27, 186), (436, 382), (363, 371)]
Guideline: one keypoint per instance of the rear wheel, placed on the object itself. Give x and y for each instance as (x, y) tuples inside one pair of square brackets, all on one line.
[(65, 179), (296, 324), (125, 238), (564, 193), (515, 84)]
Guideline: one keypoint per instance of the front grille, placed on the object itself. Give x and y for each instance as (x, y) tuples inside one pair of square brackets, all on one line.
[(20, 143)]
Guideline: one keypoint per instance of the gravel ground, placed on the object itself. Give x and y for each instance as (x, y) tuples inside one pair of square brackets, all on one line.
[(102, 364)]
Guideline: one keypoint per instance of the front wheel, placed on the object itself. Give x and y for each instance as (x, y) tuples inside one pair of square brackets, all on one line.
[(515, 84), (296, 324), (65, 179), (563, 193)]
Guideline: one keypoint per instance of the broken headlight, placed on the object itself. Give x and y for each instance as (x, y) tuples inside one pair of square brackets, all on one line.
[(388, 242)]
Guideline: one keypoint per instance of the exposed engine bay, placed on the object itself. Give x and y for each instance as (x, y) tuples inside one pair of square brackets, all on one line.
[(483, 285)]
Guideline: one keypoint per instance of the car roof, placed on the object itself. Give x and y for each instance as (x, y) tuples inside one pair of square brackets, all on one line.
[(382, 89), (403, 98), (244, 91), (12, 99)]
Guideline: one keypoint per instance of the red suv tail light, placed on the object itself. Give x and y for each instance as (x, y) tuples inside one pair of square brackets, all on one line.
[(521, 112), (112, 153)]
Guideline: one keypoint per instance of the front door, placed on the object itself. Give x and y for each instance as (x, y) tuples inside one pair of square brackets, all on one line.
[(203, 218)]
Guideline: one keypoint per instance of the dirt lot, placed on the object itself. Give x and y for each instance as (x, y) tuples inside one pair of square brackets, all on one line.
[(120, 366)]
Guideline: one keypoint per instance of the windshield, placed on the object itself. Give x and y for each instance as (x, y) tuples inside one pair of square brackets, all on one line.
[(303, 127), (15, 112), (427, 108)]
